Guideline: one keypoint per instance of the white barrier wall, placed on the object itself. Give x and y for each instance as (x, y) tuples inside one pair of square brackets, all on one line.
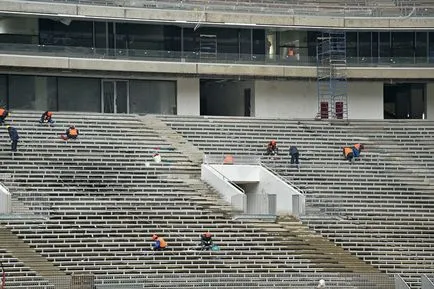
[(5, 200), (218, 181), (259, 180)]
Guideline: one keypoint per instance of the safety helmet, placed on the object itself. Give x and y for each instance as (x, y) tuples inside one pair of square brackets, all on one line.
[(154, 237)]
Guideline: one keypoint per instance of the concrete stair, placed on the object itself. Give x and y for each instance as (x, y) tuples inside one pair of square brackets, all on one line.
[(332, 252), (32, 259)]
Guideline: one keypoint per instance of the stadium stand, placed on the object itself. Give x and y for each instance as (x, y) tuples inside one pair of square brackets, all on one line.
[(381, 8), (380, 208), (19, 276), (95, 202)]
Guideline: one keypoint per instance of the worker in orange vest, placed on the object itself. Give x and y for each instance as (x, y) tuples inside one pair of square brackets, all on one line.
[(357, 149), (3, 114), (71, 133), (46, 117), (348, 153), (228, 160), (159, 243)]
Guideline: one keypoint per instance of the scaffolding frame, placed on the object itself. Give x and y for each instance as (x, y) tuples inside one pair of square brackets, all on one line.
[(332, 75)]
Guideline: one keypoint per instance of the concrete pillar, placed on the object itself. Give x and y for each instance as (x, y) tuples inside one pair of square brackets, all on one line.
[(188, 96)]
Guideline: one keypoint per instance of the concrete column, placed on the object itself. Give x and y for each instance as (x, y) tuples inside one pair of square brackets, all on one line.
[(41, 93), (188, 96), (430, 101)]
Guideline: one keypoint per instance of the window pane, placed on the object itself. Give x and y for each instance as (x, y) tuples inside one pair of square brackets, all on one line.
[(385, 49), (152, 96), (65, 32), (79, 94), (365, 44), (421, 46), (403, 44), (431, 46), (32, 92), (3, 90), (352, 44), (375, 48)]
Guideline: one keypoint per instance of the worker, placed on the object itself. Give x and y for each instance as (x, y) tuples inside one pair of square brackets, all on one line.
[(71, 133), (46, 117), (293, 152), (3, 114), (206, 242), (159, 243), (272, 148), (348, 154), (13, 135), (228, 160), (357, 149)]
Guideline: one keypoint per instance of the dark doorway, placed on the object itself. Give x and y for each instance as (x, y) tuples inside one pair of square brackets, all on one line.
[(247, 102), (404, 100), (226, 97)]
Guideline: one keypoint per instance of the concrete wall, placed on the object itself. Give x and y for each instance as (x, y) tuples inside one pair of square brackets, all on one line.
[(188, 96), (291, 98), (365, 100), (5, 200), (265, 183), (298, 99), (218, 181)]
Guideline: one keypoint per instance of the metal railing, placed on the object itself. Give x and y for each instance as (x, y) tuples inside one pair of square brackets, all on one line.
[(195, 57), (339, 8), (400, 283), (284, 178), (427, 282), (216, 159)]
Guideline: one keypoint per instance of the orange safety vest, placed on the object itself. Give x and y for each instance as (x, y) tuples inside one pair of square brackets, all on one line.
[(73, 132), (347, 150), (228, 160), (163, 243)]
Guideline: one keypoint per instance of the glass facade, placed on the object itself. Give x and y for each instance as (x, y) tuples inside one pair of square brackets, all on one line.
[(87, 94), (228, 43)]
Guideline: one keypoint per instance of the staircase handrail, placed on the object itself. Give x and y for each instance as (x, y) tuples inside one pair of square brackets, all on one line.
[(226, 179), (271, 170)]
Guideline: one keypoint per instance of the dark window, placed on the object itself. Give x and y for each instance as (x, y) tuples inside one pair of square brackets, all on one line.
[(375, 48), (64, 32), (403, 45), (351, 44), (431, 46), (365, 44), (258, 42), (385, 49), (421, 46)]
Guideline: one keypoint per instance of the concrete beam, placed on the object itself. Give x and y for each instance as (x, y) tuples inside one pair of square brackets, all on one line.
[(240, 70), (195, 69), (211, 17), (8, 60)]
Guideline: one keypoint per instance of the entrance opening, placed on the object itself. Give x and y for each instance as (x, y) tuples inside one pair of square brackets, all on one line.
[(226, 97), (404, 100), (115, 94)]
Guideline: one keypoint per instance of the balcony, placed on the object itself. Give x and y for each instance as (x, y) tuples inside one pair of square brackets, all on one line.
[(195, 63)]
